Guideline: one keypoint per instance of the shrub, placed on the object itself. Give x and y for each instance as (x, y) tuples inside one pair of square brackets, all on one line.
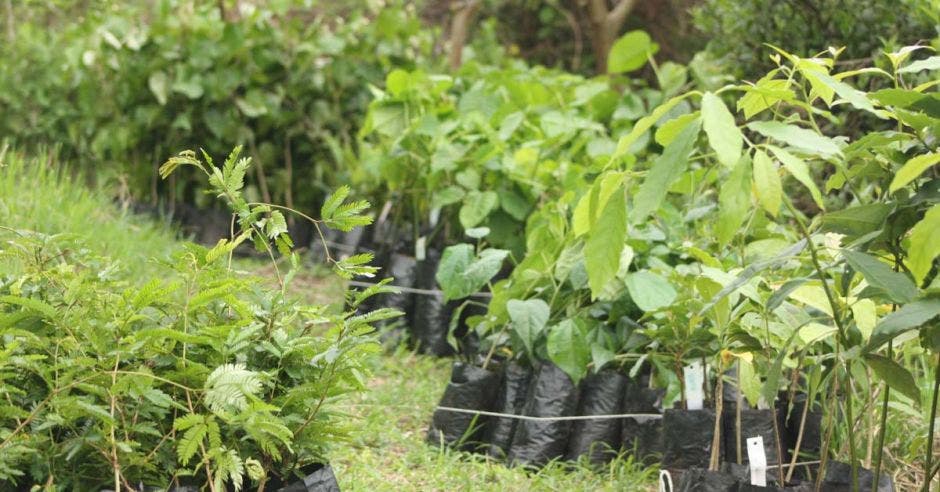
[(197, 375), (738, 30)]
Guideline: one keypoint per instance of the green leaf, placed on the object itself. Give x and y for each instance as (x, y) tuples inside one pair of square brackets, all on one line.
[(932, 63), (798, 169), (767, 183), (666, 169), (734, 201), (569, 349), (909, 317), (230, 386), (724, 137), (912, 169), (593, 202), (767, 92), (644, 124), (897, 377), (528, 321), (854, 97), (603, 245), (159, 86), (894, 285), (856, 221), (476, 207), (925, 244), (900, 98), (460, 273), (29, 304), (630, 52), (796, 137), (650, 291), (668, 131)]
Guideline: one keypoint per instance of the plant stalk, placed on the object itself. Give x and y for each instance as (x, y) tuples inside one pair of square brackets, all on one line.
[(884, 427), (928, 466)]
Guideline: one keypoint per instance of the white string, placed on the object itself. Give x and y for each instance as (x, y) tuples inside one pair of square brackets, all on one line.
[(414, 290), (551, 419)]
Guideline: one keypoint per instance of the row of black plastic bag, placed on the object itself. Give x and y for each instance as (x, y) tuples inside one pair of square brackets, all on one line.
[(678, 439)]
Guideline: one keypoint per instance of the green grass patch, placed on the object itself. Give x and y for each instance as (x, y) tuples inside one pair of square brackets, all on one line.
[(38, 193), (388, 452)]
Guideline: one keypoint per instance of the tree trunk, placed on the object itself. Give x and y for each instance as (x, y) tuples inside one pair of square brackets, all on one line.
[(460, 30), (606, 24)]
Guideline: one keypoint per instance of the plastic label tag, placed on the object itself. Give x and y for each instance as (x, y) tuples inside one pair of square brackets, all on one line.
[(434, 216), (694, 375), (757, 461), (420, 248)]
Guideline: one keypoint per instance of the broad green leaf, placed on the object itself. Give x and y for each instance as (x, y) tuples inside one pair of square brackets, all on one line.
[(734, 201), (796, 137), (528, 321), (159, 86), (594, 201), (447, 196), (932, 63), (630, 52), (569, 349), (477, 205), (650, 291), (925, 244), (798, 169), (856, 221), (909, 317), (750, 381), (897, 377), (461, 273), (724, 137), (767, 183), (865, 314), (666, 169), (912, 169), (668, 131), (894, 285), (605, 242), (853, 96), (900, 98), (767, 92), (645, 123)]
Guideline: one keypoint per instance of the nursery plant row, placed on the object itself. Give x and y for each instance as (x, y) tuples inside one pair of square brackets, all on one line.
[(782, 230)]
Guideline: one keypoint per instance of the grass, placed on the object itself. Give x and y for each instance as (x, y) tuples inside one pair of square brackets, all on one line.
[(38, 194), (388, 451)]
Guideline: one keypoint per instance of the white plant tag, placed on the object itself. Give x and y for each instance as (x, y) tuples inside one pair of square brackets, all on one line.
[(757, 461), (694, 374), (421, 248), (434, 216)]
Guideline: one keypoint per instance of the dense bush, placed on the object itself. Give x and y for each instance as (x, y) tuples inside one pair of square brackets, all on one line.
[(738, 31), (127, 85), (485, 147), (197, 375)]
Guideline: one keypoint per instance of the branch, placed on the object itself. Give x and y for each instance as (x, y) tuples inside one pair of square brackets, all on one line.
[(617, 16), (460, 30)]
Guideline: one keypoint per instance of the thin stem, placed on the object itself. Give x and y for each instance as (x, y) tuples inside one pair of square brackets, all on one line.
[(884, 428), (930, 434), (843, 335), (851, 429)]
